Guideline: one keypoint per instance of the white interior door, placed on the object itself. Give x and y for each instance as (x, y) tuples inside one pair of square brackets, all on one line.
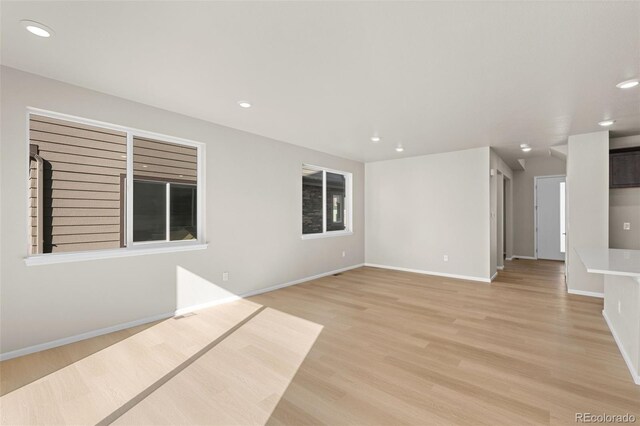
[(549, 217)]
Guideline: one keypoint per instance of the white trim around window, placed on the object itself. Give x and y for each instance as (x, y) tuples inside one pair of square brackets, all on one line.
[(173, 247), (326, 235), (132, 248), (348, 204)]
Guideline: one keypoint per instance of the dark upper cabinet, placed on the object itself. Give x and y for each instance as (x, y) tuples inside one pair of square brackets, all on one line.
[(624, 167)]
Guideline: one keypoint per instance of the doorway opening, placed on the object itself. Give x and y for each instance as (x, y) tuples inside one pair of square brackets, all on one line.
[(549, 214), (504, 228), (505, 214)]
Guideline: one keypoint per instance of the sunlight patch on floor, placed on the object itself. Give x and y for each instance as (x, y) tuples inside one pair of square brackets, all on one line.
[(90, 389), (239, 381)]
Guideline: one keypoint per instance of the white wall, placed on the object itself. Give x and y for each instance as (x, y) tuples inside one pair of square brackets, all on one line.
[(523, 190), (624, 142), (587, 206), (421, 208), (253, 223), (624, 207), (622, 298)]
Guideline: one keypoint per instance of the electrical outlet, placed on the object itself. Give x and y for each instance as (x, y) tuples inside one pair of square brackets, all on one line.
[(445, 257), (344, 253), (225, 276), (626, 226), (619, 307)]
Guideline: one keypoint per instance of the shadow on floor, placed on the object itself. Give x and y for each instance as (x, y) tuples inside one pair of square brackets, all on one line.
[(18, 372)]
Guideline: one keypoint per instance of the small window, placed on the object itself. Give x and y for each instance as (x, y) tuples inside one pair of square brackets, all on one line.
[(183, 212), (338, 208), (149, 211), (325, 201), (336, 190), (79, 183), (312, 190)]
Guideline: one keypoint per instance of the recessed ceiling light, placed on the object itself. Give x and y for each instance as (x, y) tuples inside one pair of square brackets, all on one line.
[(628, 84), (399, 148), (606, 123), (37, 28), (244, 104), (145, 166), (375, 139), (525, 147)]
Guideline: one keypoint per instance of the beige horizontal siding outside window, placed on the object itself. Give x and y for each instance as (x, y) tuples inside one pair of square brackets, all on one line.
[(79, 183)]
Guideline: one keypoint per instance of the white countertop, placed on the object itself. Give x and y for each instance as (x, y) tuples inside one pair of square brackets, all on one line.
[(611, 261)]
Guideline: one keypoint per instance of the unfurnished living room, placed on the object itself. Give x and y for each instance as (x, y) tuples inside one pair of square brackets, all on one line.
[(319, 213)]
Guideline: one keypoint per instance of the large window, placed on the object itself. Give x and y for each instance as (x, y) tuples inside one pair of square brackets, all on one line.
[(326, 196), (164, 191), (94, 187)]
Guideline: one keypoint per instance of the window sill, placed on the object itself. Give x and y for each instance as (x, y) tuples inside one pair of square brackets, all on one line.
[(327, 235), (48, 259)]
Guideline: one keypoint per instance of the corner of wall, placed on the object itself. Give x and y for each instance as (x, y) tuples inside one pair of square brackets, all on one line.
[(587, 205)]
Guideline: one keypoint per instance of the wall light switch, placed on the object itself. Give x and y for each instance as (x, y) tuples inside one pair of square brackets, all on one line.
[(344, 253), (626, 226), (225, 276), (445, 257)]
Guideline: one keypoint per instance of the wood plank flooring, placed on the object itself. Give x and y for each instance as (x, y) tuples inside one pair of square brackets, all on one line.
[(406, 348), (238, 382), (380, 347), (92, 389)]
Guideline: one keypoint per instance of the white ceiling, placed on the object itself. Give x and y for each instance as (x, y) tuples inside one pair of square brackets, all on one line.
[(434, 76)]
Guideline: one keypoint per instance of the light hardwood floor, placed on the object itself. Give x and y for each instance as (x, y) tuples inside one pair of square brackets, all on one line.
[(407, 348), (379, 347), (99, 386)]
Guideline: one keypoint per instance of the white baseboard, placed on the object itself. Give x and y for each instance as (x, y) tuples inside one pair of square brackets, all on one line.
[(82, 336), (500, 268), (508, 258), (439, 274), (209, 304), (625, 355), (106, 330), (493, 277), (197, 307), (586, 293), (300, 281), (517, 256)]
